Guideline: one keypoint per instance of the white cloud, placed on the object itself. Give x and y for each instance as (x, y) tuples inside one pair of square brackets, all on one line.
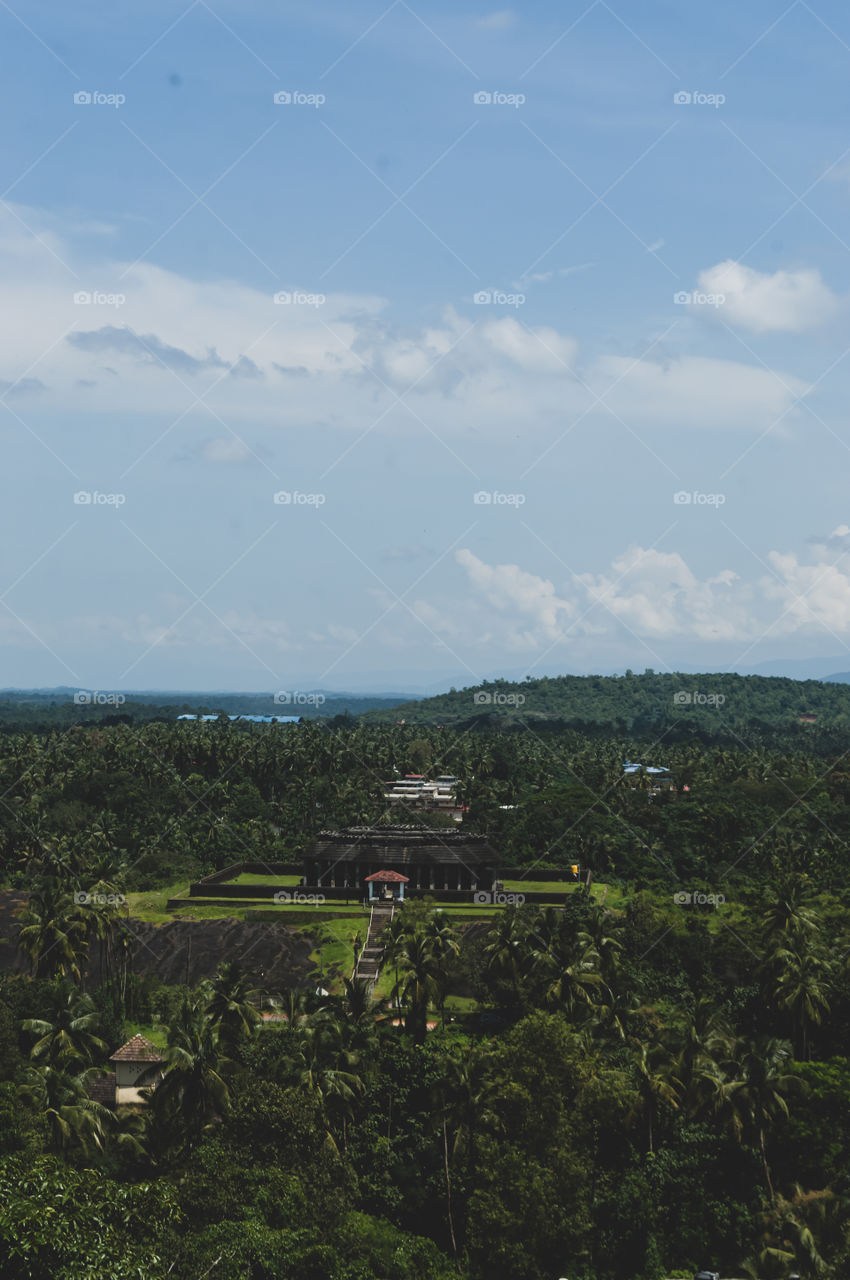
[(698, 391), (814, 597), (173, 338), (509, 589), (656, 596), (786, 301), (540, 350)]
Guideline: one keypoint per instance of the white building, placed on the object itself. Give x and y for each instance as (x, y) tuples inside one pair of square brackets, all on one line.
[(137, 1066)]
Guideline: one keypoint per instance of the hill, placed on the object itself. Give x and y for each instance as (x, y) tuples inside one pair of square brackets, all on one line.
[(634, 702)]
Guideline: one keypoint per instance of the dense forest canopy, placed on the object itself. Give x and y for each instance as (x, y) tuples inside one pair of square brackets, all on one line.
[(651, 1076)]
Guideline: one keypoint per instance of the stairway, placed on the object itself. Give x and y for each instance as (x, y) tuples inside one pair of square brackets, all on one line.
[(368, 962)]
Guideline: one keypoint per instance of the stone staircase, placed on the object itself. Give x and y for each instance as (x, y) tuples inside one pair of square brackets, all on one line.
[(368, 962)]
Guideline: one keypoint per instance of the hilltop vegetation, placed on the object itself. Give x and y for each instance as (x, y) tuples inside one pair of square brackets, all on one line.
[(633, 703)]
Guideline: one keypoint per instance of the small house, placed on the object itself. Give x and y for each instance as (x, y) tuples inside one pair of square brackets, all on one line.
[(138, 1065)]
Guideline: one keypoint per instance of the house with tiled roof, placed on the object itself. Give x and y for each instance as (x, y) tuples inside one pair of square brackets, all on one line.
[(138, 1065)]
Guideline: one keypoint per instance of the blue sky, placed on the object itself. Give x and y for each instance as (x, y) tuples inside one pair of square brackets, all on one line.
[(479, 224)]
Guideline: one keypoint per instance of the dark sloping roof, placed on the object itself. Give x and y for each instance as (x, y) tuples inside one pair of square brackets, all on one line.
[(401, 846), (137, 1049), (102, 1089)]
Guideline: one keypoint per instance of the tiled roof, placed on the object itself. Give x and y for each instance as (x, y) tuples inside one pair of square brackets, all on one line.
[(393, 877), (138, 1049), (102, 1089), (400, 845)]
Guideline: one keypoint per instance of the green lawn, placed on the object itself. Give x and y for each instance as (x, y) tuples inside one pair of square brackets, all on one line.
[(155, 1032), (612, 898), (150, 905), (245, 877), (335, 946), (461, 1004)]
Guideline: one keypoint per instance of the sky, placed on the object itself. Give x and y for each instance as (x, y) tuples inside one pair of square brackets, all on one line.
[(393, 345)]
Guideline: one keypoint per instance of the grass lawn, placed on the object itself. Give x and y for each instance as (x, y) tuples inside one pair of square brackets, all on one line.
[(335, 946), (245, 877), (321, 911), (155, 1032), (461, 1004), (150, 905), (613, 898)]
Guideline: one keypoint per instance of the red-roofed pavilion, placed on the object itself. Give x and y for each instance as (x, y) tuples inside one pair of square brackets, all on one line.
[(385, 880)]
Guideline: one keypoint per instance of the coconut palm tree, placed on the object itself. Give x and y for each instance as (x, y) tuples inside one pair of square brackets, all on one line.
[(800, 974), (507, 954), (567, 963), (52, 933), (325, 1066), (789, 910), (71, 1036), (444, 942), (293, 1005), (754, 1100), (192, 1093), (658, 1085), (391, 937), (419, 981), (703, 1049), (233, 1005), (615, 1014), (71, 1115)]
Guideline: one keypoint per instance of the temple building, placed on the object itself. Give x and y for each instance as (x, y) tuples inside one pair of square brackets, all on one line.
[(422, 859)]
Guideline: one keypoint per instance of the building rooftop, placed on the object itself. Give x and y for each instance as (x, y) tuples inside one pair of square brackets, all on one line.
[(137, 1049), (102, 1089), (401, 845)]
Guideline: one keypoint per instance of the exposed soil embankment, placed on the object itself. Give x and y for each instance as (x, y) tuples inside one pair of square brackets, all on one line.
[(184, 951)]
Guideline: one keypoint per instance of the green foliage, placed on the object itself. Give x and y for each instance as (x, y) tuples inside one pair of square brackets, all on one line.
[(647, 1086), (58, 1223)]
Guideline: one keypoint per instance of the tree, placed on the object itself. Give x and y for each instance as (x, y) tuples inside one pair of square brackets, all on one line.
[(233, 1006), (657, 1085), (71, 1115), (419, 983), (801, 975), (757, 1097), (71, 1037), (192, 1093), (52, 933)]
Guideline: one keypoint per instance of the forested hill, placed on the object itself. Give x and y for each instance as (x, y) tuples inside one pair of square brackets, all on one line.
[(633, 702)]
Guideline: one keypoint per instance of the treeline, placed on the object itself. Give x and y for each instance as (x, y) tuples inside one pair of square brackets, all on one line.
[(636, 703), (61, 708)]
